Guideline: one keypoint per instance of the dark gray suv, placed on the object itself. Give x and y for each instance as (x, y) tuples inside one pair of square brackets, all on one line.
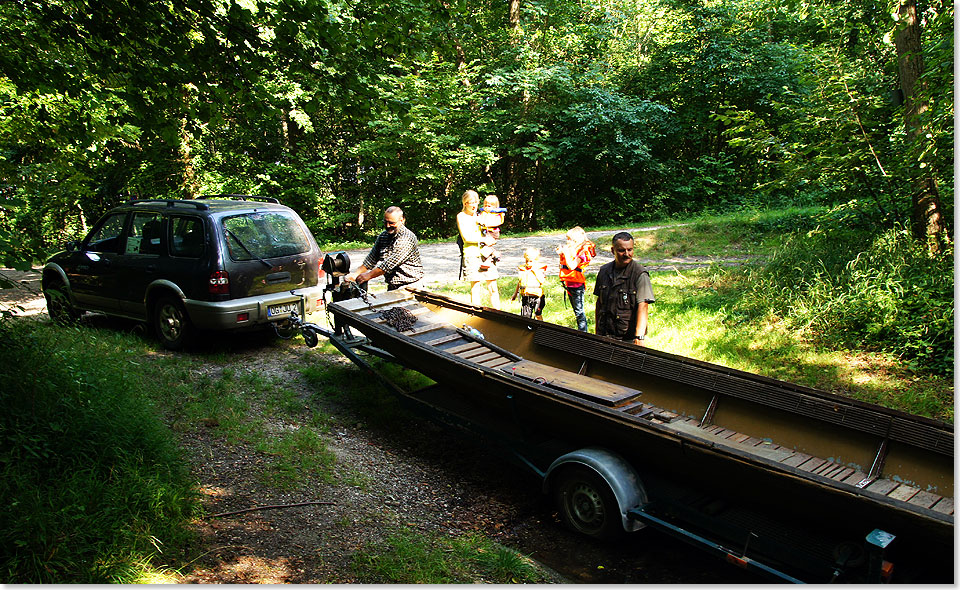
[(224, 262)]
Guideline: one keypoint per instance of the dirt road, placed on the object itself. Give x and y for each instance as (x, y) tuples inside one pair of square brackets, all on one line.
[(442, 261)]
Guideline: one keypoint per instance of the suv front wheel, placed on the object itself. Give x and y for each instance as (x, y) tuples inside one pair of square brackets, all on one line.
[(58, 302), (171, 324)]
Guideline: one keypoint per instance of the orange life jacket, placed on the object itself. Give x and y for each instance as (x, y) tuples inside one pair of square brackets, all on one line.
[(531, 279), (575, 275)]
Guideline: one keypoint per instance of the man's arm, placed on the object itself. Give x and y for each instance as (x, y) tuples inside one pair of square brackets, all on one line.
[(355, 276), (643, 309), (596, 317)]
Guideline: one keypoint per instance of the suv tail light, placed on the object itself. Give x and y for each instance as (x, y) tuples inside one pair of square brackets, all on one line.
[(219, 283), (321, 274)]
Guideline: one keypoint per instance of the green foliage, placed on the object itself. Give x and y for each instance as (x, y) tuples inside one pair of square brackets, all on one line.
[(578, 113), (93, 483)]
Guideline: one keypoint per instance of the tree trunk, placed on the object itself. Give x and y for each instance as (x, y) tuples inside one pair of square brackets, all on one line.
[(927, 212)]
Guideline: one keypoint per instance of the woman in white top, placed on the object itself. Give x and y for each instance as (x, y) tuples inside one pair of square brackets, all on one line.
[(480, 280)]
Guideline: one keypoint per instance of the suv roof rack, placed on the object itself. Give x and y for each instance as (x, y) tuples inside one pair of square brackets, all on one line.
[(169, 203), (233, 197)]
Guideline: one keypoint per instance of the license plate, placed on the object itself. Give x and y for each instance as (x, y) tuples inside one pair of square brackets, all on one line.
[(283, 309)]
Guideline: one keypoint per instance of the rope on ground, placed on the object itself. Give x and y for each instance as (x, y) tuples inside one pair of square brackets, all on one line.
[(271, 507)]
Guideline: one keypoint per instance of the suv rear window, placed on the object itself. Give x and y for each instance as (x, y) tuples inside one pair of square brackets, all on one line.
[(269, 234)]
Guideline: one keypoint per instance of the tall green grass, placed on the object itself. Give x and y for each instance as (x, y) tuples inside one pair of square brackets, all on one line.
[(93, 485), (863, 288)]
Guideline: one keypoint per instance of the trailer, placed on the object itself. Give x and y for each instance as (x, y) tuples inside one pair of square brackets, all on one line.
[(795, 484)]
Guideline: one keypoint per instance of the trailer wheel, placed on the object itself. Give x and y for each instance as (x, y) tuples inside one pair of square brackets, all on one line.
[(587, 503)]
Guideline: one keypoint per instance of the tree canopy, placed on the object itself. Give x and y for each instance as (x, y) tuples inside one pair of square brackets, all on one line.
[(574, 113)]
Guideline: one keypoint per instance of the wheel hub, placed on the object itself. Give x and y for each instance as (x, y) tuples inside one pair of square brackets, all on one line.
[(587, 505)]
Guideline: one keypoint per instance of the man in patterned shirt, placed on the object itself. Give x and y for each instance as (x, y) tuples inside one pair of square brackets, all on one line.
[(395, 255)]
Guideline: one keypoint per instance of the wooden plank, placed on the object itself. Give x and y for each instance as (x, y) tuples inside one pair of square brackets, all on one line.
[(752, 442), (795, 459), (825, 468), (665, 415), (463, 347), (725, 433), (830, 469), (488, 356), (739, 438), (609, 394), (882, 486), (473, 352), (854, 478), (424, 329), (443, 339), (903, 492), (925, 499), (501, 362), (381, 300), (812, 464), (412, 306), (630, 407), (944, 506), (843, 474)]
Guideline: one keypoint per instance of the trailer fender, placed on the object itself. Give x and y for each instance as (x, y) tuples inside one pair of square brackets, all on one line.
[(618, 474)]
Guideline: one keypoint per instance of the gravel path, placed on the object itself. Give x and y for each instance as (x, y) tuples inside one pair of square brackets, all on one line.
[(441, 261)]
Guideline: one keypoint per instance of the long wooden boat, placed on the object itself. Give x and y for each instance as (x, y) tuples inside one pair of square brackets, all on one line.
[(802, 474)]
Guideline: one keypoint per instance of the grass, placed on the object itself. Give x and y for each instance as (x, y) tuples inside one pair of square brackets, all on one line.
[(409, 557), (94, 485)]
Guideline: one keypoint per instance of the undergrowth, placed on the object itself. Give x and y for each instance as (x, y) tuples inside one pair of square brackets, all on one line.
[(94, 486)]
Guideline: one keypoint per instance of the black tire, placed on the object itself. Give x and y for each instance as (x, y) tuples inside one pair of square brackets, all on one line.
[(587, 504), (58, 302), (171, 323)]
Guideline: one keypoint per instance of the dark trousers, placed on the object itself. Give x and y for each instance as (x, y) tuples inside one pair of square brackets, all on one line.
[(531, 305)]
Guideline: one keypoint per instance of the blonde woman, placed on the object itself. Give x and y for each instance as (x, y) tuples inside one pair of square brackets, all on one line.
[(469, 226)]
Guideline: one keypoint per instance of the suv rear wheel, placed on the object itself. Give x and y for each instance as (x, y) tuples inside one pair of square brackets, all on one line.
[(171, 324)]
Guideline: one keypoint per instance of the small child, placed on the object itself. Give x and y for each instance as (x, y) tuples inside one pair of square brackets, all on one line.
[(575, 254), (491, 218), (531, 275)]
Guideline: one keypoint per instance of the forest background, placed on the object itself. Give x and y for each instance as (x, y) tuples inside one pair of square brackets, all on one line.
[(593, 112)]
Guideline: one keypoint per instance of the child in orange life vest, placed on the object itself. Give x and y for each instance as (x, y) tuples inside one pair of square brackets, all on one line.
[(490, 218), (532, 274), (575, 255)]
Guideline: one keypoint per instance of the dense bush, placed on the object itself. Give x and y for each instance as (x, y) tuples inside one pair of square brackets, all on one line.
[(91, 481), (853, 283)]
